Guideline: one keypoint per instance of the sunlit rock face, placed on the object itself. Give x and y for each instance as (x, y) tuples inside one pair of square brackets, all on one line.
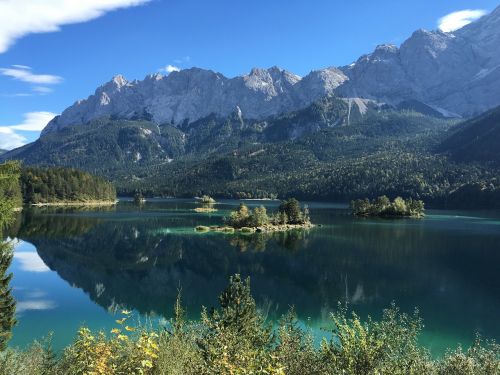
[(456, 73)]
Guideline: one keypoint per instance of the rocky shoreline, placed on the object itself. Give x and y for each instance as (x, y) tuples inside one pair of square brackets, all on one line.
[(261, 229), (76, 204), (205, 209)]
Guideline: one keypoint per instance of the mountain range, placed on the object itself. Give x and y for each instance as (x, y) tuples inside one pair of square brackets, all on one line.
[(391, 122), (456, 73)]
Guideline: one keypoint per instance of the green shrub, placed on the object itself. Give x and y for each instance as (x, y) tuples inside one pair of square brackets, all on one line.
[(235, 339)]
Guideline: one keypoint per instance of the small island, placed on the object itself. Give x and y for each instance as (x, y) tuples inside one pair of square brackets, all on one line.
[(383, 207), (289, 216), (205, 208), (207, 199), (207, 204), (139, 198)]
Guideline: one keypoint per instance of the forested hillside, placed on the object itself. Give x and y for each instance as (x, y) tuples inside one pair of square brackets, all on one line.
[(476, 140), (330, 150), (386, 153), (31, 185), (10, 190), (50, 185)]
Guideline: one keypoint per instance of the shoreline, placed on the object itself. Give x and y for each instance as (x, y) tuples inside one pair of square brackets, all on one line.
[(250, 230), (69, 204), (390, 216), (257, 199), (204, 209)]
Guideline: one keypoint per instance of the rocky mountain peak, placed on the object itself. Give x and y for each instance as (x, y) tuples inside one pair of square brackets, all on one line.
[(119, 80), (432, 41), (115, 85), (154, 77), (457, 72), (385, 49)]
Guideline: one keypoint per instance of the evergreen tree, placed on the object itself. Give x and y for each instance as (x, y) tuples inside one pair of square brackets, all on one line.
[(282, 218), (383, 207), (240, 218), (9, 199), (236, 337), (294, 214), (306, 214), (381, 203), (259, 216), (10, 192), (7, 301)]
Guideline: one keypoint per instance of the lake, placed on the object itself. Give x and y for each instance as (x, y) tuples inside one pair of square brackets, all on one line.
[(74, 267)]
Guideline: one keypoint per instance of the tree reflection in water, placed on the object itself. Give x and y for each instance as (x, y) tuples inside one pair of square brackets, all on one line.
[(138, 260)]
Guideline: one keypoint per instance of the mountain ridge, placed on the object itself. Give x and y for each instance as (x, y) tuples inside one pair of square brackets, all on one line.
[(476, 140), (455, 73), (384, 124)]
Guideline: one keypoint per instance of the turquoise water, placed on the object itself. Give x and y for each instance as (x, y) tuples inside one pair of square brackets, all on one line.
[(81, 267)]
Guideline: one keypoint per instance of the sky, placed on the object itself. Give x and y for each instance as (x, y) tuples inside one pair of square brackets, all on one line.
[(54, 52)]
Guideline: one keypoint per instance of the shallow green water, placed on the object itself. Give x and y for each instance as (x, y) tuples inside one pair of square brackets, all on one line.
[(79, 267)]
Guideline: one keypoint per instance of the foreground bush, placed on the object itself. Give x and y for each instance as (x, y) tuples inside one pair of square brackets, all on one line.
[(235, 339)]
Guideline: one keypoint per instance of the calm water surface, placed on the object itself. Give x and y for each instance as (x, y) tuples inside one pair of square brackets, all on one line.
[(80, 267)]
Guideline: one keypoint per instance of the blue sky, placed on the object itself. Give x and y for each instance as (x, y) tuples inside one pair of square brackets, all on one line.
[(83, 48)]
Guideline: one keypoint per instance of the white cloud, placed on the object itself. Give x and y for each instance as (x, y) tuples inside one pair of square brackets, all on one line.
[(21, 17), (35, 304), (17, 95), (457, 20), (42, 89), (30, 262), (170, 68), (34, 121), (9, 139), (24, 73), (21, 66), (35, 293)]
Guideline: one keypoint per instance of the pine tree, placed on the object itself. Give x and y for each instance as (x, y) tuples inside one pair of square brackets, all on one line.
[(292, 209), (259, 216), (9, 198), (7, 301), (236, 336)]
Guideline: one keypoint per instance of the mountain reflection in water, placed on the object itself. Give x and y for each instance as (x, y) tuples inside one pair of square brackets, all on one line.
[(138, 258)]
